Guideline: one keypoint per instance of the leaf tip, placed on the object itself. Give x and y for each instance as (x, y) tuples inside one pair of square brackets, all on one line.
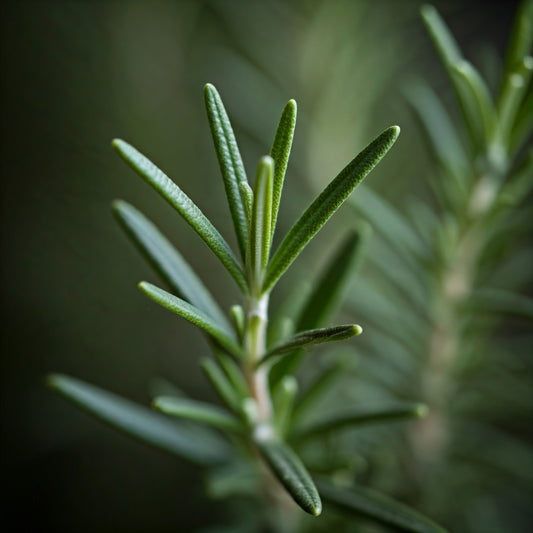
[(357, 330), (421, 410)]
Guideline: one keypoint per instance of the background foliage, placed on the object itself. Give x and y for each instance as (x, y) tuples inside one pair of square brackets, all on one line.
[(74, 75)]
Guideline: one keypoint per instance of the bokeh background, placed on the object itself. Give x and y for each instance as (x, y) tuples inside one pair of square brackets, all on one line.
[(76, 74)]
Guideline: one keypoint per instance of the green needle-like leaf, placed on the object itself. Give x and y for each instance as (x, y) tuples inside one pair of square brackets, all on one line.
[(291, 473), (365, 502), (260, 229), (310, 337), (193, 315), (451, 56), (284, 403), (233, 372), (230, 161), (166, 260), (326, 204), (480, 94), (142, 423), (222, 385), (352, 418), (184, 205), (521, 36), (199, 411), (280, 152)]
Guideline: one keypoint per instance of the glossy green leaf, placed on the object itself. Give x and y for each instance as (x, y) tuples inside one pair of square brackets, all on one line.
[(199, 411), (326, 204), (260, 228), (184, 205), (142, 423), (222, 385), (311, 337), (230, 161), (166, 260), (291, 473), (360, 501), (192, 314), (358, 417), (280, 153)]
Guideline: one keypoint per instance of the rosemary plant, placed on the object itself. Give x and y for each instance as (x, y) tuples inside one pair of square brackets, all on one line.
[(253, 443), (465, 260)]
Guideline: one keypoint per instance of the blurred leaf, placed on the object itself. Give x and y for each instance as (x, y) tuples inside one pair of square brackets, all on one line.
[(280, 152), (284, 402), (230, 161), (233, 372), (291, 473), (357, 417), (326, 204), (184, 205), (451, 56), (320, 386), (521, 36), (192, 314), (199, 411), (166, 260), (376, 506), (502, 301), (222, 385), (140, 422)]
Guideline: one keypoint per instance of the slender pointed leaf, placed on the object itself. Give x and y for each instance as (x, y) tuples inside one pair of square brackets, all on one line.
[(193, 315), (521, 36), (284, 402), (360, 417), (141, 423), (327, 203), (291, 473), (512, 96), (233, 372), (166, 260), (221, 385), (184, 205), (480, 94), (260, 229), (199, 411), (280, 153), (361, 501), (310, 337), (451, 56), (230, 162)]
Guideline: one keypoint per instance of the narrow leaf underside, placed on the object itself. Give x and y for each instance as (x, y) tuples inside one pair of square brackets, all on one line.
[(201, 447)]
